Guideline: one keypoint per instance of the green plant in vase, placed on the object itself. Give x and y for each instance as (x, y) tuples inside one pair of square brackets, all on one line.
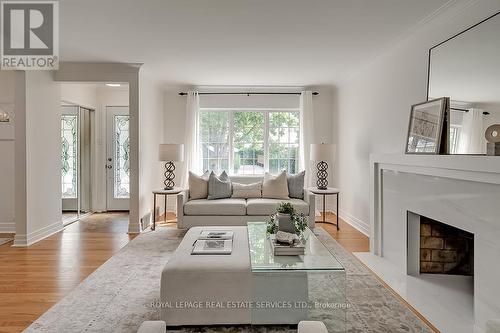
[(287, 220)]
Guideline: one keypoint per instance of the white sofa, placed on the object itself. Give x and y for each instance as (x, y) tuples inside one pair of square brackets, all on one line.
[(232, 211)]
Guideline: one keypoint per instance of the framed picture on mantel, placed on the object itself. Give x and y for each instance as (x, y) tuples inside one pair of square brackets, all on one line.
[(428, 128)]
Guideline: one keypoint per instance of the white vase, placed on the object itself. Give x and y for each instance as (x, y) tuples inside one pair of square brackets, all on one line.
[(285, 223)]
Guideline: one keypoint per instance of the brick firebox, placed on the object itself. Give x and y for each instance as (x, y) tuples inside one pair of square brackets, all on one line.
[(445, 249)]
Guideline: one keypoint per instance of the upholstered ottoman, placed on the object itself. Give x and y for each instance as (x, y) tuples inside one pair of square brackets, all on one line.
[(311, 327), (152, 326), (207, 289)]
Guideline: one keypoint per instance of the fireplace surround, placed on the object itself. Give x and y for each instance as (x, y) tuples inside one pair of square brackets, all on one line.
[(461, 191)]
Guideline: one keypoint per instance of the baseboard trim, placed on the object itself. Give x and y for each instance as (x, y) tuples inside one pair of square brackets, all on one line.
[(7, 227), (21, 240), (355, 222)]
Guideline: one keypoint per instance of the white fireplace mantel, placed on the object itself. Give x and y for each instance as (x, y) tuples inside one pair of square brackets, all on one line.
[(483, 169), (462, 191)]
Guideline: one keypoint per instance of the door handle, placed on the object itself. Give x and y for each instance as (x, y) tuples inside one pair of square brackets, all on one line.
[(108, 166)]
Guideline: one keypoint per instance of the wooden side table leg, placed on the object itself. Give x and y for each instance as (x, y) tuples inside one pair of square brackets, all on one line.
[(153, 226)]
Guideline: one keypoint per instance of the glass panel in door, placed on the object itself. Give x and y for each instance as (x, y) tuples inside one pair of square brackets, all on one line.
[(118, 158), (122, 156)]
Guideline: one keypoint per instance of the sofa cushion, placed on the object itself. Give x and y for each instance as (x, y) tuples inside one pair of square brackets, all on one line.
[(275, 186), (215, 207), (265, 206), (296, 185), (219, 187), (253, 190), (198, 185)]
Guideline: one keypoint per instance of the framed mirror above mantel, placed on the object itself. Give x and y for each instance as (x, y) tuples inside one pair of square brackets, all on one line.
[(466, 68)]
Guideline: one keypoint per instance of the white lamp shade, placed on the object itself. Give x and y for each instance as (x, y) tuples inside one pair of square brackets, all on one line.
[(322, 152), (171, 152)]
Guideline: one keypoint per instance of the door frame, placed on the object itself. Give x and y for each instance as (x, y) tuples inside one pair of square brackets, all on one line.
[(118, 73)]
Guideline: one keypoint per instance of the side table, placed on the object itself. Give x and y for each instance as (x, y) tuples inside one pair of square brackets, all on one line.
[(324, 193), (165, 193)]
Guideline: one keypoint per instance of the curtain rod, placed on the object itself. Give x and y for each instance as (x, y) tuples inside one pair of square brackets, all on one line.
[(465, 110), (248, 93)]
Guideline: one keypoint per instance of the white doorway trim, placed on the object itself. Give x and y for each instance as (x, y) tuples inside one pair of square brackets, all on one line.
[(120, 73)]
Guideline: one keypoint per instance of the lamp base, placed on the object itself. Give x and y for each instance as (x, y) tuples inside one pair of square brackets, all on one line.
[(169, 176), (322, 175)]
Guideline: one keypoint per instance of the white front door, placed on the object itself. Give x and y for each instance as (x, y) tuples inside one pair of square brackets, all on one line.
[(117, 158)]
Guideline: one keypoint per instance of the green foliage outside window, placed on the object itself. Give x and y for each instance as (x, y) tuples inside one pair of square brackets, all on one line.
[(248, 138)]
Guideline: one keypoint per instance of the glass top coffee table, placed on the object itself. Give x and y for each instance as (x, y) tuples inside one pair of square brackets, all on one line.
[(316, 258), (288, 289)]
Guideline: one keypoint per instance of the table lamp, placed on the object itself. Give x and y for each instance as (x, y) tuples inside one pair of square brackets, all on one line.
[(322, 153), (170, 153)]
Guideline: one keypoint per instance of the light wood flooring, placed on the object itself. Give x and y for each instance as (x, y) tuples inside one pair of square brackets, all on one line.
[(34, 278)]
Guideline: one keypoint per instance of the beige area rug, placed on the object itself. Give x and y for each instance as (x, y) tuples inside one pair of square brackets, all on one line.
[(116, 297)]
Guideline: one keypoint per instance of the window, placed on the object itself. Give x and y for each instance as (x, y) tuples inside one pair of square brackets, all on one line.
[(283, 141), (249, 142), (214, 138)]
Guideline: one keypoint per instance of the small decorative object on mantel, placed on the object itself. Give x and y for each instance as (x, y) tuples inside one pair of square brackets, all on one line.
[(170, 153), (322, 153), (492, 135), (287, 220), (428, 130)]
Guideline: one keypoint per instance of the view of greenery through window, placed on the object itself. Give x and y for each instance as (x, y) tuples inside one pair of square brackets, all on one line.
[(236, 141)]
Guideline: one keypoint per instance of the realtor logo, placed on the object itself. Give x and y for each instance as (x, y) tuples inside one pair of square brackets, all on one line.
[(30, 35)]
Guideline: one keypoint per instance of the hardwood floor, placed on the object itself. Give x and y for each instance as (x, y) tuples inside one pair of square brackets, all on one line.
[(34, 278), (349, 237)]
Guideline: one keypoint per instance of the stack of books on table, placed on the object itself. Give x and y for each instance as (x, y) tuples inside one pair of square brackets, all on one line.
[(281, 249), (214, 242)]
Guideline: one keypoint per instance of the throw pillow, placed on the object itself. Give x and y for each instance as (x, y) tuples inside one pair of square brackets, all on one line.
[(219, 187), (198, 185), (275, 187), (296, 185), (246, 191)]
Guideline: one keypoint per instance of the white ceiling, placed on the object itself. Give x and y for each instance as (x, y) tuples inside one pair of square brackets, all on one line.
[(238, 42)]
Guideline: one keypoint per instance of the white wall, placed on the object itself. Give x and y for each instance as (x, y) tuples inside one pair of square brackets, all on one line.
[(175, 111), (81, 94), (373, 106), (151, 135), (7, 166), (43, 160)]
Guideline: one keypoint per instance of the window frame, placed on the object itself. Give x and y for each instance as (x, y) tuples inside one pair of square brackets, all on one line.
[(231, 111)]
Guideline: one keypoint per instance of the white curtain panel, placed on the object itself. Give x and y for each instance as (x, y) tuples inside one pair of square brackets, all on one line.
[(306, 135), (471, 139), (191, 139)]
